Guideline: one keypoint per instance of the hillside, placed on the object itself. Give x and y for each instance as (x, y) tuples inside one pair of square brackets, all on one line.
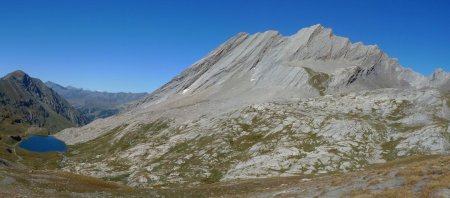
[(95, 104), (27, 107), (26, 101)]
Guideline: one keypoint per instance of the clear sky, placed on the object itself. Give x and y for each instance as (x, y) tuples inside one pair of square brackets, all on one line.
[(137, 46)]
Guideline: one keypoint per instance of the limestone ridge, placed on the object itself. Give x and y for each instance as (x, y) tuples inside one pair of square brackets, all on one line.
[(271, 61)]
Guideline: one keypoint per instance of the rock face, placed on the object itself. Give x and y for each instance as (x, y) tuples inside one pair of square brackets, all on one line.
[(266, 105), (27, 102), (95, 104), (268, 63)]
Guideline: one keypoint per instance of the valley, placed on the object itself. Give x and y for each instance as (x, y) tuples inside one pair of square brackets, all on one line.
[(95, 104)]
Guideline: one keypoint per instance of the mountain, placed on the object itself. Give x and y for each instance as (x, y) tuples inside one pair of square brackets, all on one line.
[(28, 106), (267, 105), (95, 104), (267, 66), (27, 102)]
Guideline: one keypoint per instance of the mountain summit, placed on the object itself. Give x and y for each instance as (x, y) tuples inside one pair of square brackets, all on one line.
[(27, 102), (267, 105), (267, 66)]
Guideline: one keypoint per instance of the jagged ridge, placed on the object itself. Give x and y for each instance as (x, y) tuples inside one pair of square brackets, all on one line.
[(273, 62)]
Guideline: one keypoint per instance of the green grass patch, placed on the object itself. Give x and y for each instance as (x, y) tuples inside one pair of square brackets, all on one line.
[(39, 161), (390, 153), (318, 80)]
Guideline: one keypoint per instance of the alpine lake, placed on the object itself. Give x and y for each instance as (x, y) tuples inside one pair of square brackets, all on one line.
[(43, 144)]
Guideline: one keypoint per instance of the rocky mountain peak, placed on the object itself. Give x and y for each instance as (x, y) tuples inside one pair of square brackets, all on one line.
[(440, 79), (23, 80), (34, 104), (309, 63), (312, 30), (438, 74), (17, 75)]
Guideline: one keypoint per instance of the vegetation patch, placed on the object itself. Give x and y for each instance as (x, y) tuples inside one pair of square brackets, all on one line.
[(389, 149), (400, 111), (39, 161), (246, 141), (318, 80), (311, 141), (214, 177)]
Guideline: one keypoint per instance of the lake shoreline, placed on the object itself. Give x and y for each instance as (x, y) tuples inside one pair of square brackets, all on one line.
[(43, 144)]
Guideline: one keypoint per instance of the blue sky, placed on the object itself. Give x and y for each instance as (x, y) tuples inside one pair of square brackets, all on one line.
[(137, 46)]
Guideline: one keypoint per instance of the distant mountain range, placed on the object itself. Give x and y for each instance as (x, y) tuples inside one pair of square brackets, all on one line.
[(95, 104), (27, 102)]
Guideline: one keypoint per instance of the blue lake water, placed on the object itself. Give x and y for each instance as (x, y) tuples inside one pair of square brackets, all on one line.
[(40, 143)]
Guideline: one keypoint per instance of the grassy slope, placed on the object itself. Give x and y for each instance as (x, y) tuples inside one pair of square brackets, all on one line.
[(420, 176), (318, 80), (19, 103), (26, 183)]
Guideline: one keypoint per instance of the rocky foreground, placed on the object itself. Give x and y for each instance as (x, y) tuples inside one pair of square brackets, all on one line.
[(321, 135), (425, 176)]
